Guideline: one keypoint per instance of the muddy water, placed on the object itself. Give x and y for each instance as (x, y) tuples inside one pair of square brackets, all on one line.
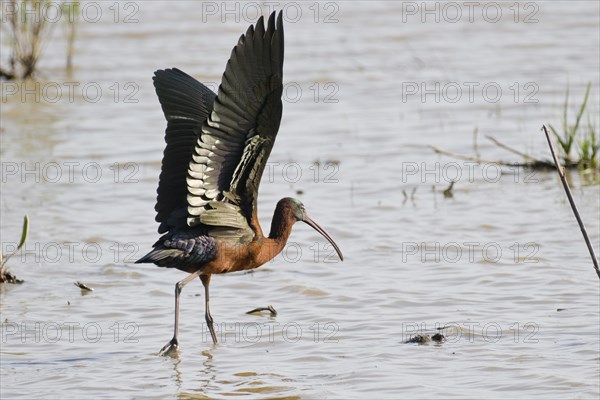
[(500, 266)]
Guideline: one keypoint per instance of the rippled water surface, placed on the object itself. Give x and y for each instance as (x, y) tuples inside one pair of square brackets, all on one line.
[(501, 265)]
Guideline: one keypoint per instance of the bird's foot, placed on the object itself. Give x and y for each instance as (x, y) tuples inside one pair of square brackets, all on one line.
[(170, 348), (211, 329), (214, 336)]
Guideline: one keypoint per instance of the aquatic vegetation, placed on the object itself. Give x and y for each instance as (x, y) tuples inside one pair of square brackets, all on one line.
[(27, 29), (588, 148), (585, 137), (6, 276)]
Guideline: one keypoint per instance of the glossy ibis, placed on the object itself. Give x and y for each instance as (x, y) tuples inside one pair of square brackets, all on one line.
[(217, 148)]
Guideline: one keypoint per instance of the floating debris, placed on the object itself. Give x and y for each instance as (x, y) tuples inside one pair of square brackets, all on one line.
[(10, 278), (448, 192), (424, 339), (83, 286), (420, 339), (439, 338), (260, 309)]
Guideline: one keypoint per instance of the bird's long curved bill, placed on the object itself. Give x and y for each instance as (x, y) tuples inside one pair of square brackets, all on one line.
[(317, 228)]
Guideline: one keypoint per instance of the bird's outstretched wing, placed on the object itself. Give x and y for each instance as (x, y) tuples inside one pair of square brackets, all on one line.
[(186, 104), (236, 139)]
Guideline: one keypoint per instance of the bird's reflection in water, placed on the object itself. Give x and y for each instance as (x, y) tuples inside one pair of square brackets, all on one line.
[(203, 378), (205, 383)]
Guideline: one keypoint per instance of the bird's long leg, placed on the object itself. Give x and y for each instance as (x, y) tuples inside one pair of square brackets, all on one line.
[(174, 343), (209, 319)]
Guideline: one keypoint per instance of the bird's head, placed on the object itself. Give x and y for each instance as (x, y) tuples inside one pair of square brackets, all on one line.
[(297, 210)]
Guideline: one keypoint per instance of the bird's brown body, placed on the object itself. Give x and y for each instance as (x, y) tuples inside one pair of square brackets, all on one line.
[(241, 257), (217, 149)]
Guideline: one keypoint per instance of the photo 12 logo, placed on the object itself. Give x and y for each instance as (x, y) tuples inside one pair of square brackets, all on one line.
[(54, 12), (69, 92), (271, 331), (67, 331), (250, 11), (464, 171), (293, 172), (470, 252), (469, 11), (80, 253), (293, 92), (68, 172), (472, 92), (470, 331)]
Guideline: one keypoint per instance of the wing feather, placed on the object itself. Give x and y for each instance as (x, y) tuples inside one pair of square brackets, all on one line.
[(186, 104), (236, 139)]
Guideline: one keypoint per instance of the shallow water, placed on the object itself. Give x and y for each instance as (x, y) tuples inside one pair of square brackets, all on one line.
[(501, 266)]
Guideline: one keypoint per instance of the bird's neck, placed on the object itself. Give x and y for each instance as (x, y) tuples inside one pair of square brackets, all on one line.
[(281, 225), (281, 228)]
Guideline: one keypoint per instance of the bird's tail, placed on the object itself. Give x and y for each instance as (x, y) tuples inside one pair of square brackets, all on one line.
[(157, 255)]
